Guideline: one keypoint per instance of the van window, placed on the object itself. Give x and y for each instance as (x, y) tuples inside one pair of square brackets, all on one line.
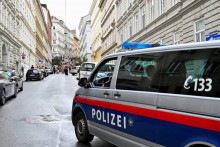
[(140, 72), (103, 74), (87, 67), (192, 72)]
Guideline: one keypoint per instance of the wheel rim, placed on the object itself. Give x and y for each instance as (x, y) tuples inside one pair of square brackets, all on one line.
[(81, 127)]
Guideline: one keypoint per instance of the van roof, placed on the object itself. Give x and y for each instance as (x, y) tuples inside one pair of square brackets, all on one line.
[(90, 62), (201, 45)]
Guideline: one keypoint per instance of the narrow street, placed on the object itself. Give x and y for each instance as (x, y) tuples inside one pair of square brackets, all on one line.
[(40, 116)]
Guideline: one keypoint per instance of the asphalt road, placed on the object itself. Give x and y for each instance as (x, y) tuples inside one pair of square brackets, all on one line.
[(40, 116)]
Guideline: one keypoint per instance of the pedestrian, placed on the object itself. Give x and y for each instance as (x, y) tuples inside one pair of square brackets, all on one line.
[(32, 67), (66, 71), (54, 70), (69, 68)]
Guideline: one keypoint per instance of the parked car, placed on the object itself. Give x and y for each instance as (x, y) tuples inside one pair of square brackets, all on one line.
[(74, 70), (16, 77), (49, 70), (34, 74), (44, 72), (8, 87)]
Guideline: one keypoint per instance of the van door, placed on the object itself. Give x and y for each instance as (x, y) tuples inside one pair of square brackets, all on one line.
[(97, 97), (135, 95)]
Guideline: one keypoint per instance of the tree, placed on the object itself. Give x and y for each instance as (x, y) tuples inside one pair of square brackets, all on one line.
[(56, 61), (80, 61)]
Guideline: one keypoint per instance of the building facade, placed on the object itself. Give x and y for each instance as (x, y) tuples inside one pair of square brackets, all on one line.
[(27, 35), (96, 31), (41, 31), (10, 53), (108, 24), (62, 39), (76, 46), (48, 46), (166, 22), (85, 38)]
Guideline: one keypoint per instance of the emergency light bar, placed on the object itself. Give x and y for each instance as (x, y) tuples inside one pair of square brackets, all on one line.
[(135, 45)]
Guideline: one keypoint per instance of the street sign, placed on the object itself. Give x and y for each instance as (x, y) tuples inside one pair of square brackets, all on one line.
[(215, 37), (213, 33), (41, 61), (23, 55)]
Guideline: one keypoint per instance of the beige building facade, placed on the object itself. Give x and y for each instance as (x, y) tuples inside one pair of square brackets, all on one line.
[(10, 53), (27, 35), (41, 31), (76, 45), (108, 24), (96, 31), (166, 22)]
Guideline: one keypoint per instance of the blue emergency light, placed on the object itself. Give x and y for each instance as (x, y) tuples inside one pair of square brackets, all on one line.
[(136, 45)]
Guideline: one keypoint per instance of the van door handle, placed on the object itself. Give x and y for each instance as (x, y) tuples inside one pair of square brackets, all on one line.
[(117, 95), (106, 94)]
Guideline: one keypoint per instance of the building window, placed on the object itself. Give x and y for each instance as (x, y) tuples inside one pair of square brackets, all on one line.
[(143, 17), (121, 35), (130, 27), (199, 31), (177, 37), (54, 41), (162, 41), (136, 22), (151, 10), (162, 6), (125, 31)]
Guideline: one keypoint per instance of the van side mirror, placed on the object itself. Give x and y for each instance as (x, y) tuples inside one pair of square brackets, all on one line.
[(82, 82)]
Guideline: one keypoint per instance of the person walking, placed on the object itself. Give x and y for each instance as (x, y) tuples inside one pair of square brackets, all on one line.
[(54, 70), (66, 71), (32, 67)]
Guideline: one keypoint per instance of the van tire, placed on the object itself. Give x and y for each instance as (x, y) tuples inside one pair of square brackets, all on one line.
[(81, 129)]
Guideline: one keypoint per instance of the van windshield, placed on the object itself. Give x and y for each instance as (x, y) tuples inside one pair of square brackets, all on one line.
[(87, 67)]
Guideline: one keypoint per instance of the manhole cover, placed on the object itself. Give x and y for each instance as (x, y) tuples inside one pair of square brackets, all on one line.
[(47, 119)]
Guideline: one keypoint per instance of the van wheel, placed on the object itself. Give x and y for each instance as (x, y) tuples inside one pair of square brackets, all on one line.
[(81, 129)]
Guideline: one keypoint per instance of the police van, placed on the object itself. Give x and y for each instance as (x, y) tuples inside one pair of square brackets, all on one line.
[(160, 96)]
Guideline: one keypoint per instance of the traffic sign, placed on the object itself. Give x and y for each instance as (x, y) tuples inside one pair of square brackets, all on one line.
[(23, 55)]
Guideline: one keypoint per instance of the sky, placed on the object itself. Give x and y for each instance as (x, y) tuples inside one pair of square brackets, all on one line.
[(75, 9)]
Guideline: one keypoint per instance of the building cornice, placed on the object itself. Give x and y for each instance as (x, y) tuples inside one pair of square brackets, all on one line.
[(10, 37), (27, 25)]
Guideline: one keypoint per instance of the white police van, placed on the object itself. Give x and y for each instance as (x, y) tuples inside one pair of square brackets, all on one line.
[(163, 96)]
